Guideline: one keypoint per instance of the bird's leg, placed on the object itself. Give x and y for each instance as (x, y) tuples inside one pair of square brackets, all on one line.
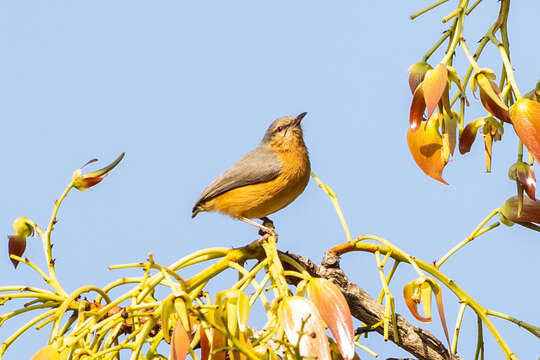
[(264, 229)]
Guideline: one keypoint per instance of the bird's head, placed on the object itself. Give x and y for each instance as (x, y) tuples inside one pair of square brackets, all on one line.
[(285, 133)]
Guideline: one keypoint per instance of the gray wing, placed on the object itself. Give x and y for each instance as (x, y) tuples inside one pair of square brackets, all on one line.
[(257, 166)]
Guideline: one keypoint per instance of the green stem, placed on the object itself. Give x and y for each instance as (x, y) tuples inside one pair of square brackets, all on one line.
[(472, 7), (436, 46), (67, 303), (472, 61), (275, 268), (535, 330), (469, 238), (457, 32), (22, 329), (430, 7), (458, 327), (335, 202), (47, 243), (388, 279)]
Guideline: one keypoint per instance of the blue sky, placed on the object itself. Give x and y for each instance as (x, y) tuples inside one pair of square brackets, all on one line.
[(186, 88)]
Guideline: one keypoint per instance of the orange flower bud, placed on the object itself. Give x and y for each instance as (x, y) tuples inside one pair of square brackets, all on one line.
[(524, 175), (17, 243), (417, 72), (490, 94), (525, 115), (426, 147), (84, 182), (530, 212), (334, 310), (179, 342), (301, 321)]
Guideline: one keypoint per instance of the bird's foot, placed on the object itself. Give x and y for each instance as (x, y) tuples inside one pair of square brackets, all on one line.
[(263, 230), (267, 227)]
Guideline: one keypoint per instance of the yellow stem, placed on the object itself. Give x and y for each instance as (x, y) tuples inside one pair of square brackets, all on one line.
[(472, 61), (335, 202), (458, 327), (472, 236), (275, 268), (460, 13), (430, 7), (449, 283), (47, 243)]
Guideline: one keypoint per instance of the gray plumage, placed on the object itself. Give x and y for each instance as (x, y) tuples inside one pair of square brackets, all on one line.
[(259, 165)]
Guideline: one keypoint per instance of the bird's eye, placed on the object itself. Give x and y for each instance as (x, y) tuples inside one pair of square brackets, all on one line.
[(280, 128)]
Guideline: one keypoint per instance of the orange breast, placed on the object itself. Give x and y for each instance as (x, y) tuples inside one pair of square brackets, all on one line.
[(263, 199)]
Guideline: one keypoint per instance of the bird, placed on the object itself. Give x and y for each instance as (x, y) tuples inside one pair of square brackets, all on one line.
[(263, 181)]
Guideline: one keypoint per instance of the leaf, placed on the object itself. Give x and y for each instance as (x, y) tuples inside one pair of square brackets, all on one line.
[(295, 314), (334, 310), (525, 115), (434, 84), (468, 135), (425, 146), (179, 342), (16, 246), (418, 106)]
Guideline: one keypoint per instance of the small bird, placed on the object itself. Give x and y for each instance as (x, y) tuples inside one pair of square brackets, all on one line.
[(265, 180)]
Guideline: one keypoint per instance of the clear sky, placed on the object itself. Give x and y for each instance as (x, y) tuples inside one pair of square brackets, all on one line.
[(186, 88)]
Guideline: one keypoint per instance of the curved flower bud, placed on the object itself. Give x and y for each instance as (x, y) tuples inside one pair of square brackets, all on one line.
[(490, 94), (23, 228), (418, 107), (525, 116), (524, 175), (303, 325), (434, 84), (420, 290), (334, 310), (417, 72), (468, 135), (83, 182), (179, 342), (529, 214)]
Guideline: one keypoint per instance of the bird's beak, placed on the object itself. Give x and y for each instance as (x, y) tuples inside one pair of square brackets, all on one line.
[(298, 119)]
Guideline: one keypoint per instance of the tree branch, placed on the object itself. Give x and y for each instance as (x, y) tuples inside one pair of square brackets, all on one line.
[(418, 342)]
